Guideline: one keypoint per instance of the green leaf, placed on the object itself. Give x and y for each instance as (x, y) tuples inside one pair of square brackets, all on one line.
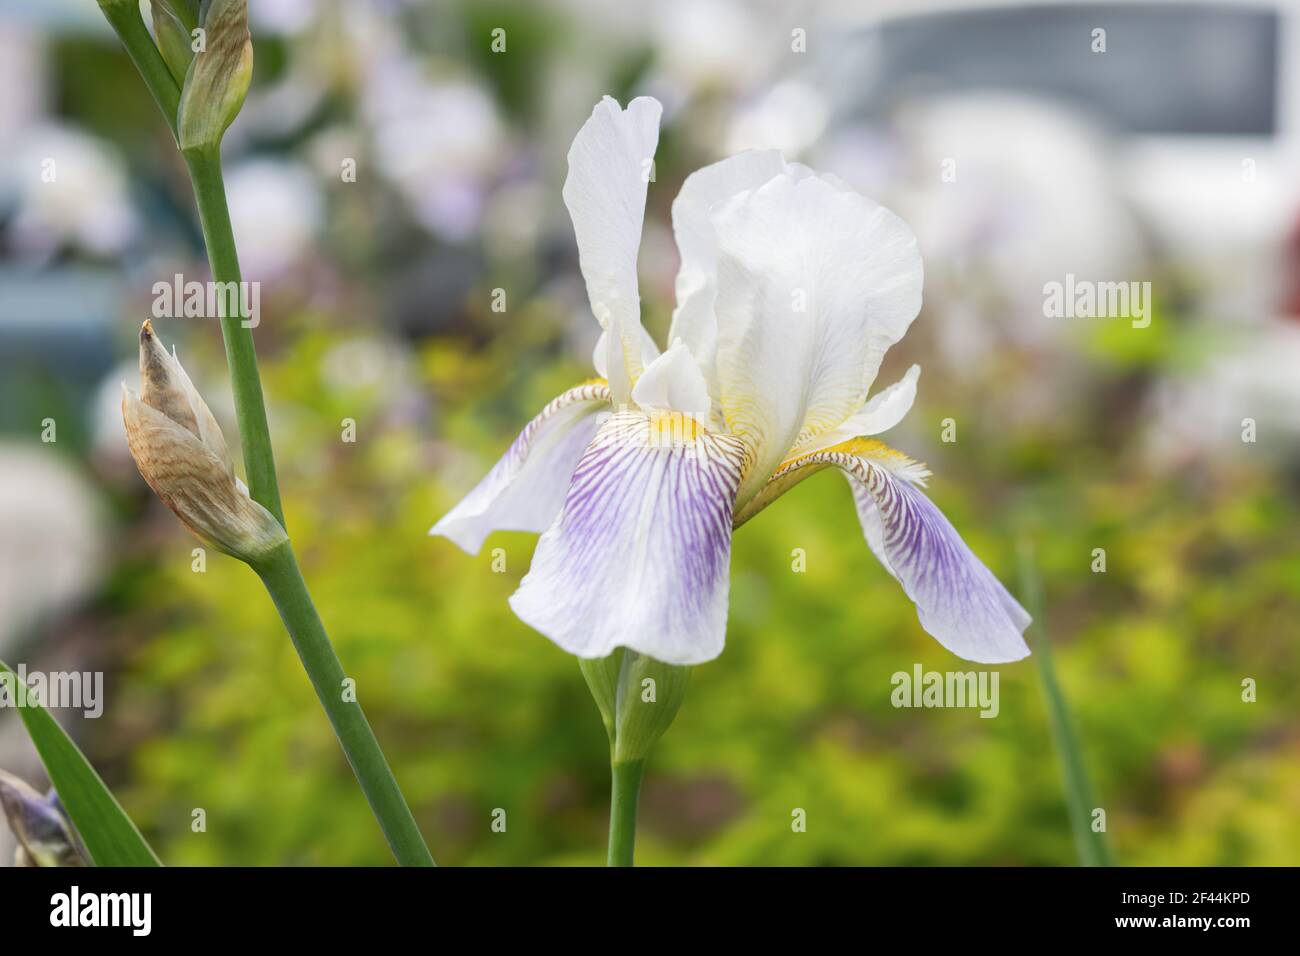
[(108, 833)]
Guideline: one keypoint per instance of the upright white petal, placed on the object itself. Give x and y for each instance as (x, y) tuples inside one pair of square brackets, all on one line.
[(640, 554), (649, 352), (525, 489), (815, 282), (610, 164), (697, 287), (882, 412), (674, 383), (889, 406)]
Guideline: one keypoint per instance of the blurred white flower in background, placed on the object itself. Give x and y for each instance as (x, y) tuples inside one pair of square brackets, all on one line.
[(791, 116), (441, 142), (1028, 198), (61, 187), (22, 87), (107, 433), (513, 217), (276, 210), (282, 16), (67, 188), (867, 157), (52, 540), (703, 43), (382, 365), (1255, 377)]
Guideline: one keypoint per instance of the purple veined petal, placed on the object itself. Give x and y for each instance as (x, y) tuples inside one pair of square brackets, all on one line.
[(958, 600), (640, 554), (525, 489)]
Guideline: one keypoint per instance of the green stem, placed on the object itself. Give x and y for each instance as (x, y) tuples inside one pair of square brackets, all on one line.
[(241, 357), (125, 19), (279, 572), (1091, 846), (625, 788)]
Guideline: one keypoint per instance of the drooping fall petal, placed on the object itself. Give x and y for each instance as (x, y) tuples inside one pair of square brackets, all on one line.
[(525, 489), (958, 600), (639, 555)]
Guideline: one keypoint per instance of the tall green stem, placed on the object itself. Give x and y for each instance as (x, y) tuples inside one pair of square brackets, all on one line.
[(279, 572), (625, 788), (1091, 846), (250, 409)]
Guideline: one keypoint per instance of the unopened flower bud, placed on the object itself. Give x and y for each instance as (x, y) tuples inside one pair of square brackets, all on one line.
[(174, 22), (181, 453), (44, 835), (218, 77), (638, 698)]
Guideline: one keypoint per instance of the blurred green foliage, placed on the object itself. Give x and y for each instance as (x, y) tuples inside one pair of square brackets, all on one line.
[(477, 712)]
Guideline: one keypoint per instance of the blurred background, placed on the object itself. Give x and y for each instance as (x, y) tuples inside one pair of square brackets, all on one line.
[(1170, 158)]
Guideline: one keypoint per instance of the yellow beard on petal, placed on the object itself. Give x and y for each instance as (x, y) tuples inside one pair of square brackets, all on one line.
[(796, 469), (869, 448), (673, 429)]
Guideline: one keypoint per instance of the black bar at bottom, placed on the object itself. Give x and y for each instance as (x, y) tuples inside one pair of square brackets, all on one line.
[(214, 906)]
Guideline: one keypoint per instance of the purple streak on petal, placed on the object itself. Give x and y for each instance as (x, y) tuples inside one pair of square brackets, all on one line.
[(639, 555)]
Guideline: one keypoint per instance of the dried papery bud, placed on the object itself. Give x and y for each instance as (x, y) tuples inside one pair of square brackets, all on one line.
[(173, 24), (181, 453), (44, 835), (219, 76)]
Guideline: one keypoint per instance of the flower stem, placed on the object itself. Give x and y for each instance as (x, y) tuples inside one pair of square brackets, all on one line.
[(1091, 846), (278, 570), (280, 573), (624, 791), (250, 409)]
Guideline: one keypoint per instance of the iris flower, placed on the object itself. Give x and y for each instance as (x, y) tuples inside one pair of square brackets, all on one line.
[(791, 289)]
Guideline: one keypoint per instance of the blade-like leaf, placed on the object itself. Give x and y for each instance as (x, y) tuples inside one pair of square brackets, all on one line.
[(108, 833)]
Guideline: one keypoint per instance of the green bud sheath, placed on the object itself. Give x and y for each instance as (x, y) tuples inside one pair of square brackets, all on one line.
[(602, 675), (173, 23), (218, 77), (638, 698)]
